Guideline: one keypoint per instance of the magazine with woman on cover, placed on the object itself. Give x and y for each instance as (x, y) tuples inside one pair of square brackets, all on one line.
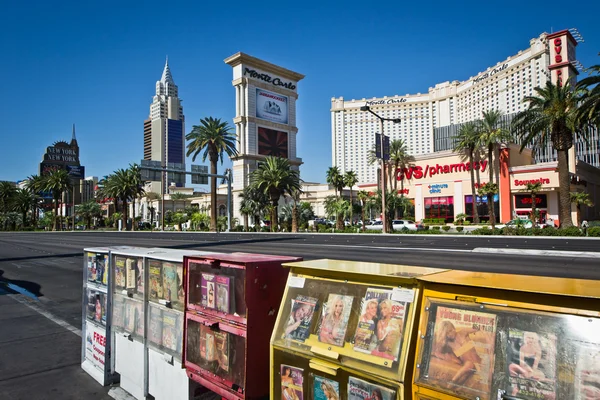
[(531, 365), (207, 286), (224, 285), (130, 267), (155, 291), (300, 319), (118, 316), (325, 389), (587, 372), (120, 273), (170, 284), (363, 390), (292, 380), (171, 331), (222, 350), (462, 351), (334, 320), (155, 327)]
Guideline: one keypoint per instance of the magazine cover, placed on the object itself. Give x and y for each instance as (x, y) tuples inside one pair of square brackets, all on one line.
[(363, 390), (462, 352), (104, 300), (207, 286), (118, 317), (139, 317), (531, 365), (170, 332), (131, 279), (224, 286), (129, 308), (91, 304), (587, 372), (181, 284), (300, 319), (155, 280), (222, 350), (119, 273), (325, 389), (139, 271), (170, 284), (91, 266), (381, 324), (155, 328), (102, 269), (292, 380), (334, 320)]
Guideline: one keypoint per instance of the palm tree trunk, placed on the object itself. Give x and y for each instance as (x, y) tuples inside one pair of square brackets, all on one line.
[(274, 221), (124, 216), (213, 193), (490, 196), (533, 216), (295, 218), (475, 211), (564, 186), (246, 222), (133, 214), (55, 228)]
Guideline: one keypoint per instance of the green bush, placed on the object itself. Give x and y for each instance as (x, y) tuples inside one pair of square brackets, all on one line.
[(570, 231), (467, 223), (487, 231), (435, 228), (459, 229), (446, 228), (594, 231), (594, 223)]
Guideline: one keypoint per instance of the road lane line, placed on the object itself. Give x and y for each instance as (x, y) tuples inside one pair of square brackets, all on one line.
[(59, 321), (548, 253)]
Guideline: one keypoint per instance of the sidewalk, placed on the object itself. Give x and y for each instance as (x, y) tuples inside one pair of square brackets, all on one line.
[(40, 359)]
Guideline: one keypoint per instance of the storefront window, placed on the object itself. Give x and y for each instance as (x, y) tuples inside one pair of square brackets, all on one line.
[(439, 207), (482, 207)]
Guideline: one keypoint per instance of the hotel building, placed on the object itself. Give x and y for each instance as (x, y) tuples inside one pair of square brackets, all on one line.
[(430, 120), (164, 130)]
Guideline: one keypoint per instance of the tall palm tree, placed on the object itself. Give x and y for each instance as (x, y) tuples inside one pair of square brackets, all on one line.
[(87, 211), (7, 193), (339, 207), (491, 135), (295, 196), (363, 197), (350, 179), (24, 200), (35, 183), (589, 110), (57, 182), (466, 144), (336, 179), (214, 137), (120, 185), (534, 189), (254, 202), (275, 177), (552, 114), (580, 199), (138, 191), (399, 159)]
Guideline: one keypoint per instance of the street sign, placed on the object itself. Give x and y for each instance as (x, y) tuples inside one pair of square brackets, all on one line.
[(150, 174), (386, 146), (76, 171), (173, 174), (198, 179)]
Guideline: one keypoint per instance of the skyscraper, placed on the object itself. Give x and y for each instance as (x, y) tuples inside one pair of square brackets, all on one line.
[(164, 130)]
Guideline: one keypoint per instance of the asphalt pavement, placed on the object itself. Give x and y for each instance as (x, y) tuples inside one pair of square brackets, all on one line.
[(41, 284)]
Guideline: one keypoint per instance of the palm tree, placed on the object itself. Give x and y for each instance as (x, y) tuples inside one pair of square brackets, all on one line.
[(253, 204), (466, 144), (121, 185), (589, 110), (7, 194), (399, 160), (534, 189), (295, 195), (137, 183), (275, 177), (350, 179), (87, 211), (336, 179), (35, 183), (363, 197), (57, 182), (214, 137), (339, 207), (552, 114), (491, 135), (580, 199), (23, 201)]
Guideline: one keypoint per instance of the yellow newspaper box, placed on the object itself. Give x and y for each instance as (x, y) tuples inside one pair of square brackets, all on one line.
[(346, 330), (491, 336)]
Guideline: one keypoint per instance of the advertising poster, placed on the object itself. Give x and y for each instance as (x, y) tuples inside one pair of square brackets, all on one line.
[(462, 352), (120, 273), (587, 372), (325, 389), (170, 284), (95, 345), (381, 324), (272, 143), (207, 286), (334, 321), (363, 390), (531, 365), (292, 379), (271, 106), (300, 319), (155, 280)]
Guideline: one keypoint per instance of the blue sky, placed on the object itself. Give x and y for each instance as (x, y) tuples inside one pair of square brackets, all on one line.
[(95, 64)]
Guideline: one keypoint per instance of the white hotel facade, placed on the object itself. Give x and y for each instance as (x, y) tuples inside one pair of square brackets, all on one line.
[(429, 120)]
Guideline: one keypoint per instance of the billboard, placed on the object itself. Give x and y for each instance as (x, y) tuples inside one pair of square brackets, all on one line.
[(271, 106), (272, 142)]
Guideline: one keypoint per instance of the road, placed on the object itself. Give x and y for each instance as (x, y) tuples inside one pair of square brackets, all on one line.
[(44, 271)]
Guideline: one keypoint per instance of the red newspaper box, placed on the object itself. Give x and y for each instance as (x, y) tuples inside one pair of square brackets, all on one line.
[(232, 302)]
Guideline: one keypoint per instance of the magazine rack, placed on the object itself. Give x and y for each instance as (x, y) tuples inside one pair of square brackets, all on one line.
[(496, 336), (148, 321), (231, 306), (96, 345), (346, 327)]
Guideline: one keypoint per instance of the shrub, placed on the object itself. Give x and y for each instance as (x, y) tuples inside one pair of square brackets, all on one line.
[(446, 228), (467, 223), (570, 231), (459, 229), (594, 231), (435, 228), (594, 223)]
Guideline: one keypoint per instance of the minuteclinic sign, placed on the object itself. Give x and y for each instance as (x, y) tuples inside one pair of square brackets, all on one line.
[(420, 172)]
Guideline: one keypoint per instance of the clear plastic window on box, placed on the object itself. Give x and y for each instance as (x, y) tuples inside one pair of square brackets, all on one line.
[(97, 268), (128, 275), (356, 324), (217, 350), (165, 330), (474, 350), (128, 316), (297, 378), (165, 283), (217, 290), (96, 306)]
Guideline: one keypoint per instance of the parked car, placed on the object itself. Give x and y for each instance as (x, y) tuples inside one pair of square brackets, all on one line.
[(375, 226), (399, 224)]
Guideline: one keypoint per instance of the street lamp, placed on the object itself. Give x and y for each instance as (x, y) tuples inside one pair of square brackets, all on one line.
[(383, 188)]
